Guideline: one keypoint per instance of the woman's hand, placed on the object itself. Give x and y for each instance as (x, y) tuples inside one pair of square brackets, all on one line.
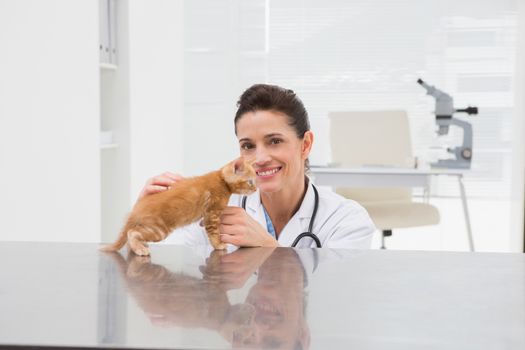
[(232, 270), (240, 229), (159, 183)]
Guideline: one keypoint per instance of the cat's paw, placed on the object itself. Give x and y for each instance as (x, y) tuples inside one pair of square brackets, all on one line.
[(220, 246), (142, 251)]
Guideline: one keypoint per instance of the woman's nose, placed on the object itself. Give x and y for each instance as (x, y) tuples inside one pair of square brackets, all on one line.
[(262, 157)]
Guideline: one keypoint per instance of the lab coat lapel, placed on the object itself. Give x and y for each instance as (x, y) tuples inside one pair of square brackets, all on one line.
[(300, 220), (307, 206), (255, 209)]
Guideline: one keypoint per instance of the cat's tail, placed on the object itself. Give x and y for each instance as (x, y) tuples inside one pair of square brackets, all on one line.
[(119, 243)]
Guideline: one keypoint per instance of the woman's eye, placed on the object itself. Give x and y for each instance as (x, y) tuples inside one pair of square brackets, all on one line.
[(246, 146), (275, 141)]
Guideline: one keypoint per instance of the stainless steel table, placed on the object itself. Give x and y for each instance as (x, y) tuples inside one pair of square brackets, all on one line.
[(71, 295)]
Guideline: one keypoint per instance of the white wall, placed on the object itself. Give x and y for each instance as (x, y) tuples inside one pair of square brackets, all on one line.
[(224, 55), (49, 124), (156, 96)]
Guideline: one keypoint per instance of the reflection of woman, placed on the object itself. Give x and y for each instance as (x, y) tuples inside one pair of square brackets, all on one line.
[(279, 303), (272, 127), (271, 316)]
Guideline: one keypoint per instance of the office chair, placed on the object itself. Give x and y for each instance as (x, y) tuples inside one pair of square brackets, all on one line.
[(379, 138)]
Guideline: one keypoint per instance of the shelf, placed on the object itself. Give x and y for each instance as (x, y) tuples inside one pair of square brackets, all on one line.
[(107, 66), (109, 146)]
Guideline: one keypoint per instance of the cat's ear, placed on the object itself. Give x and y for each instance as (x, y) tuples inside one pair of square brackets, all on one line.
[(230, 170), (238, 166)]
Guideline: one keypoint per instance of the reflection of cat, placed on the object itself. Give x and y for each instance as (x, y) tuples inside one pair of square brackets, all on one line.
[(175, 299), (154, 217)]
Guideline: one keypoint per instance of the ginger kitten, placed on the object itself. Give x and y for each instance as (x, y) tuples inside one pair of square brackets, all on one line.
[(155, 216)]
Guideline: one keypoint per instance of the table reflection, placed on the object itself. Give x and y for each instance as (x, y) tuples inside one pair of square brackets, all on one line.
[(272, 315)]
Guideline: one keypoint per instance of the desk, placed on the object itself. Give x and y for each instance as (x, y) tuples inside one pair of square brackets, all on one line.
[(385, 177), (72, 295)]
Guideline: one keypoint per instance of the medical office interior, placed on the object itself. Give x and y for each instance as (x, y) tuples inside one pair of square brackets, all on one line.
[(82, 129), (98, 96)]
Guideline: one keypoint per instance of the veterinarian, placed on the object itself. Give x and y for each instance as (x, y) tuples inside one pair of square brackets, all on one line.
[(272, 127)]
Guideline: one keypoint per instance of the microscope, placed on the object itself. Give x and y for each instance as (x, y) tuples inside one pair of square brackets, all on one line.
[(444, 111)]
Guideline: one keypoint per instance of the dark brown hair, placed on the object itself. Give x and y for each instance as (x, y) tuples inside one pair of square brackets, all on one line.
[(263, 97)]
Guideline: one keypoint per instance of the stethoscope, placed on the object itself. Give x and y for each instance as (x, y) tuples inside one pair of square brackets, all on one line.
[(308, 233)]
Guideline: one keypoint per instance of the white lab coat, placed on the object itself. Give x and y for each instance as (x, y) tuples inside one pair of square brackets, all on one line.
[(339, 223)]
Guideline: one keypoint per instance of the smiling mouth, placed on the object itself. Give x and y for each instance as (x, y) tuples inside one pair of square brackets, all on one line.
[(268, 172), (267, 312)]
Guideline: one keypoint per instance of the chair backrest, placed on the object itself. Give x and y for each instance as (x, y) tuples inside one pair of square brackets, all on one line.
[(371, 138)]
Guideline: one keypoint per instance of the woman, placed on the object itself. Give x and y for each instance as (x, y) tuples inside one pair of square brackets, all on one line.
[(272, 127)]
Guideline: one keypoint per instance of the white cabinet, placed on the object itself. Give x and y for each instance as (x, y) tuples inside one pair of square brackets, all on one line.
[(115, 199), (141, 105), (108, 33)]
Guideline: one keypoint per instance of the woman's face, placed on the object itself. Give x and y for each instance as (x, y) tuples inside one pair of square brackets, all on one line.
[(279, 154), (278, 301)]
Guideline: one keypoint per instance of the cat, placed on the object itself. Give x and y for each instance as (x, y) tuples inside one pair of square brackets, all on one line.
[(155, 216)]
